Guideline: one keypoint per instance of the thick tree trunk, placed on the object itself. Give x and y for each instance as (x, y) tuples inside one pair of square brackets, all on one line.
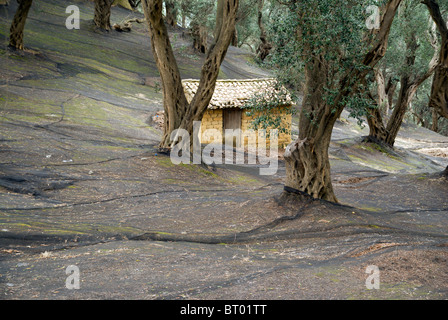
[(18, 24), (308, 168), (390, 91), (234, 41), (385, 92), (377, 130), (435, 121), (307, 162), (174, 100), (200, 36), (439, 91), (265, 46), (102, 14), (407, 91), (380, 133), (179, 114), (171, 13)]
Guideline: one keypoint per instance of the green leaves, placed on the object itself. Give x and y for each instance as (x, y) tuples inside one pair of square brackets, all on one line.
[(269, 108)]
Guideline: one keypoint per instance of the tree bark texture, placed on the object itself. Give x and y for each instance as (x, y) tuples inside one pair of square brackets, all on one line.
[(200, 36), (18, 24), (174, 100), (102, 14), (171, 13), (435, 120), (307, 161), (265, 47), (386, 91), (377, 131), (439, 90)]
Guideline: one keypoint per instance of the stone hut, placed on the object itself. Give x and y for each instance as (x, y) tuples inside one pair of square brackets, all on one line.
[(226, 109)]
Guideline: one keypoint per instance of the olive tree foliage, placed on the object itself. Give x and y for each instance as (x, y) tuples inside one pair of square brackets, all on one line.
[(263, 109), (246, 25), (202, 12), (199, 17), (254, 23), (281, 28), (335, 51)]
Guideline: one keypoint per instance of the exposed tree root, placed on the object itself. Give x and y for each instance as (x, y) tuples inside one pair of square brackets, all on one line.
[(257, 234), (127, 25)]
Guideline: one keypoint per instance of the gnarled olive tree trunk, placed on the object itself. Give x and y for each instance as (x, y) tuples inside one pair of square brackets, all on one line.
[(171, 13), (439, 90), (265, 47), (179, 114), (307, 162), (18, 24), (174, 100), (102, 14), (409, 83), (387, 134), (200, 35)]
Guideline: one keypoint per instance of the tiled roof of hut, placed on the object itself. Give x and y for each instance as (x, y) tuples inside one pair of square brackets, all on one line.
[(232, 93)]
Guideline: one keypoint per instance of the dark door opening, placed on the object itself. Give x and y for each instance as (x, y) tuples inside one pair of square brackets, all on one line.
[(232, 120)]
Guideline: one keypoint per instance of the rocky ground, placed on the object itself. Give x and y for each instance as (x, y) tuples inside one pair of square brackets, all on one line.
[(82, 184)]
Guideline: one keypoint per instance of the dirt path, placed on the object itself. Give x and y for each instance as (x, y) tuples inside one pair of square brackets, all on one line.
[(81, 184)]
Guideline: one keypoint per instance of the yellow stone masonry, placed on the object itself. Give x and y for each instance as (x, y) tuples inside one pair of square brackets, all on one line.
[(213, 119), (233, 94)]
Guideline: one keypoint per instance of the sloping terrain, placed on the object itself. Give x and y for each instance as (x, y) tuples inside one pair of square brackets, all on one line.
[(81, 183)]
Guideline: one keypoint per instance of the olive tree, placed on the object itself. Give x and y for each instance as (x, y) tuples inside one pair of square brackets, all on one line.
[(337, 51)]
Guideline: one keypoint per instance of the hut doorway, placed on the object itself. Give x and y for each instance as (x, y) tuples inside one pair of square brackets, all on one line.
[(232, 120)]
